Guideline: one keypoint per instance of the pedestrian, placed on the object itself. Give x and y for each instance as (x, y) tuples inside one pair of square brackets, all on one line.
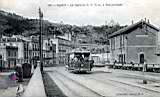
[(13, 76), (145, 66), (144, 70), (19, 72), (132, 65), (114, 64), (20, 90)]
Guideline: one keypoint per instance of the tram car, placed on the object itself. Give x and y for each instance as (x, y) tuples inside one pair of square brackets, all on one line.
[(79, 61)]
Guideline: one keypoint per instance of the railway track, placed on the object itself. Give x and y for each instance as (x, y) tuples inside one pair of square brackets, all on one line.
[(138, 86), (79, 90), (118, 88), (132, 76), (132, 89), (142, 77), (67, 86), (102, 89), (125, 85), (105, 89)]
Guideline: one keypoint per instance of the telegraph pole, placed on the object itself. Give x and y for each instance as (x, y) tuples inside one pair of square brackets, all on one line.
[(144, 26), (40, 38)]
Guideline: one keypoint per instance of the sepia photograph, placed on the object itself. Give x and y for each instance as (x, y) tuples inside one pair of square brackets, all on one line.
[(79, 48)]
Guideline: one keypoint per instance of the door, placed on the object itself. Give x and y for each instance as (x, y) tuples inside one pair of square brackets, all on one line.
[(141, 58), (121, 58)]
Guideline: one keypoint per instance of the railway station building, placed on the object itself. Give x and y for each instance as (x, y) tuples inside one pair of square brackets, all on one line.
[(135, 43)]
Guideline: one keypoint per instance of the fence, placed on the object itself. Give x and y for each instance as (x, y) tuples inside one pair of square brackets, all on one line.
[(135, 66)]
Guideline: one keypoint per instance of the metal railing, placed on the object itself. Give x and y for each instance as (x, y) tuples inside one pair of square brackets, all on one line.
[(135, 66)]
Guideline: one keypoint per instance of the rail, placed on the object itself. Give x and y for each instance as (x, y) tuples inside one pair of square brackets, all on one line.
[(35, 87)]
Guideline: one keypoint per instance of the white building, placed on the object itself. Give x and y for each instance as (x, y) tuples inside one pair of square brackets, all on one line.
[(14, 41), (62, 47)]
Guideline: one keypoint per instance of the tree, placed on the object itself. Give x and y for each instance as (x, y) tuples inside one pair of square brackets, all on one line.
[(54, 31)]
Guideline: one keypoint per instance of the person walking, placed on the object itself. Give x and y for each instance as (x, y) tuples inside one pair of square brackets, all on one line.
[(144, 70)]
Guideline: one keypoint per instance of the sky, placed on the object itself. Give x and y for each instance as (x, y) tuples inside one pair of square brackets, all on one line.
[(87, 15)]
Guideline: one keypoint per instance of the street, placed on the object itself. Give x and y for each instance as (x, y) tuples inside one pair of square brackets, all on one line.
[(104, 82)]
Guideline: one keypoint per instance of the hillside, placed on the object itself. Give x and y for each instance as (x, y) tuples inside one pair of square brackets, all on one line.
[(12, 24)]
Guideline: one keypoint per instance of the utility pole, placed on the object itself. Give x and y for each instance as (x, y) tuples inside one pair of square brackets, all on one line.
[(121, 48), (108, 44), (144, 26), (40, 38), (1, 62)]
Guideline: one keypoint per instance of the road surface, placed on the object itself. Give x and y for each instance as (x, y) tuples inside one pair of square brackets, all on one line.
[(104, 82)]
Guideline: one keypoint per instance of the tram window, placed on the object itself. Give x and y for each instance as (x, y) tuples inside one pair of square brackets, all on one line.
[(78, 55), (86, 54)]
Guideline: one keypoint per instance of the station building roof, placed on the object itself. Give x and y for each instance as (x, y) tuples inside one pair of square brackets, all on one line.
[(132, 27)]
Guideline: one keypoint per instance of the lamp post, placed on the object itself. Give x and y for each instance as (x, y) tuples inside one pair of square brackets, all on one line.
[(144, 61), (40, 38), (121, 47), (144, 70), (108, 44), (1, 63)]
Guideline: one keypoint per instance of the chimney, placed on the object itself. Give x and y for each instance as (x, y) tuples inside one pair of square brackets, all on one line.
[(132, 22), (148, 21), (145, 19)]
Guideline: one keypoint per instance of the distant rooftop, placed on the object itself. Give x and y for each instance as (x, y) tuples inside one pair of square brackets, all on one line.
[(14, 38)]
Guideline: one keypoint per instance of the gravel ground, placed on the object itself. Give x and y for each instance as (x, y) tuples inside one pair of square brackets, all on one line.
[(52, 90)]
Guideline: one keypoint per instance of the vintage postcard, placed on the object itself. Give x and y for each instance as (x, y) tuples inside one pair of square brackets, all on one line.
[(79, 48)]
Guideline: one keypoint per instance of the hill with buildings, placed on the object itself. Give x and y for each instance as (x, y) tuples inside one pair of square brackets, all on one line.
[(12, 24)]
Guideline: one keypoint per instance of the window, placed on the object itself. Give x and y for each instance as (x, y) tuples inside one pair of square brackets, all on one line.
[(121, 58), (33, 46), (123, 39), (113, 43), (15, 54), (9, 53), (44, 56)]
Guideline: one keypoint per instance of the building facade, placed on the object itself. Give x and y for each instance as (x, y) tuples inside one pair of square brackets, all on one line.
[(33, 50), (9, 52), (9, 56), (135, 43), (49, 52), (62, 46), (54, 50), (27, 50)]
